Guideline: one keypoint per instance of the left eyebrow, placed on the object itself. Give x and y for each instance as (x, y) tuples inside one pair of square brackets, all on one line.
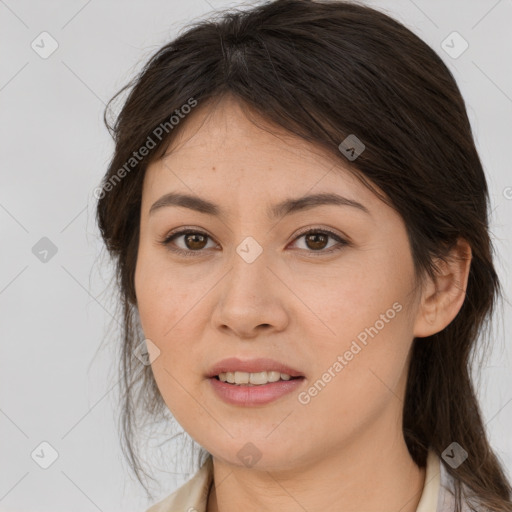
[(275, 211), (307, 202)]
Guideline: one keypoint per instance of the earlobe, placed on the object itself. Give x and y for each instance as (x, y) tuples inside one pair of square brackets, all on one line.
[(443, 297)]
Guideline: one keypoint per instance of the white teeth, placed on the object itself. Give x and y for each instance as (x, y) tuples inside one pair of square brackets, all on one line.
[(252, 379)]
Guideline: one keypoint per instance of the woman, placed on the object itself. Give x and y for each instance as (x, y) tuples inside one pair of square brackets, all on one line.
[(299, 221)]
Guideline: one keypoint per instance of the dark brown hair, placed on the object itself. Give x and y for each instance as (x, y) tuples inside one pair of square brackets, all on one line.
[(323, 71)]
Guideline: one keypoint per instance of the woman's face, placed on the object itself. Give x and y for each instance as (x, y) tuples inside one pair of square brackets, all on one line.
[(342, 314)]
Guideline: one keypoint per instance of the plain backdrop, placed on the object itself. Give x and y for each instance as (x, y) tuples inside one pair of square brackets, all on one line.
[(57, 385)]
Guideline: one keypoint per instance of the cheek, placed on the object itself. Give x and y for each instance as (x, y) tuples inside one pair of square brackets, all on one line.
[(353, 295), (354, 381), (171, 316), (163, 296), (167, 316), (360, 316)]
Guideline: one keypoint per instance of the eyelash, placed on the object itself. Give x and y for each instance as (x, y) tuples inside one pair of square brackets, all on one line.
[(169, 238)]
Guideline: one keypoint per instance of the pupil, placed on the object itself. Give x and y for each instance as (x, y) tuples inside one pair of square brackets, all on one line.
[(313, 236), (195, 236)]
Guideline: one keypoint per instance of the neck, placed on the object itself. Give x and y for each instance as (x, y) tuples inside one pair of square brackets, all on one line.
[(370, 476)]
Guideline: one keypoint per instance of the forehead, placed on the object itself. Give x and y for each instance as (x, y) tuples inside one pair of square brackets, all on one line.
[(219, 141)]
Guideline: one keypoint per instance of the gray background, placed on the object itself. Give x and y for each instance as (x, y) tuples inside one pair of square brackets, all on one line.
[(57, 383)]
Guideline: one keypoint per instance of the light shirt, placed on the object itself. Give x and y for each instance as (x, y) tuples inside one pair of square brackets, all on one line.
[(192, 496)]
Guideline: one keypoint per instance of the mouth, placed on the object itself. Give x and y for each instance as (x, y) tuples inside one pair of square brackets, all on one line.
[(254, 379), (252, 371), (253, 382), (250, 394)]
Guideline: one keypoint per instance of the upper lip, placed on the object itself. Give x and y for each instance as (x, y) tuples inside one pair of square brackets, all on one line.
[(233, 364)]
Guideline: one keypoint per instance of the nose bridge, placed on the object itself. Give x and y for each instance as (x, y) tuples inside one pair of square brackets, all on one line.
[(249, 297), (249, 269)]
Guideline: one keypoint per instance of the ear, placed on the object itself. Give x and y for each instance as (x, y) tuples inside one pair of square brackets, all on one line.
[(443, 297)]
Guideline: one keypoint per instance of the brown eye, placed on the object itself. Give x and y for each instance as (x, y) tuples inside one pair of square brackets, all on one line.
[(195, 241), (316, 241)]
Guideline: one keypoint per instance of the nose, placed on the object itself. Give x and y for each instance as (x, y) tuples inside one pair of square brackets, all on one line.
[(250, 299)]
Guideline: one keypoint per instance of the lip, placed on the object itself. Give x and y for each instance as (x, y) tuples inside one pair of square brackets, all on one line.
[(250, 396), (233, 364)]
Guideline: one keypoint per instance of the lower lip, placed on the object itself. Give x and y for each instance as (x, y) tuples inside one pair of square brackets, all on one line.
[(254, 395)]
